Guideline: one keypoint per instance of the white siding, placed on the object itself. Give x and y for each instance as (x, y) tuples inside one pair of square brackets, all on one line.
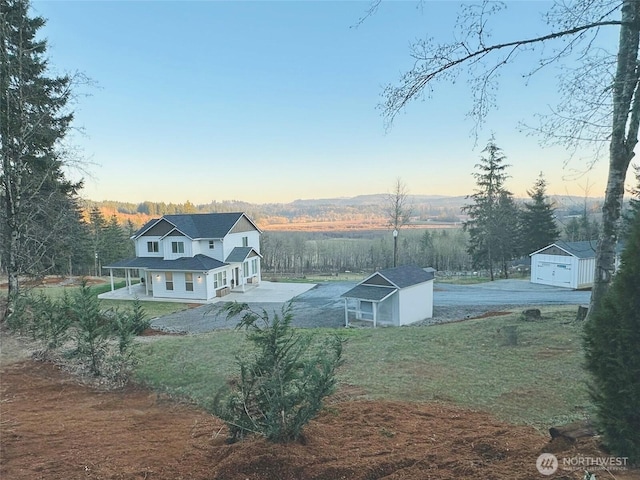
[(167, 247), (179, 286), (202, 247), (586, 272), (416, 303), (234, 240), (141, 247), (555, 270)]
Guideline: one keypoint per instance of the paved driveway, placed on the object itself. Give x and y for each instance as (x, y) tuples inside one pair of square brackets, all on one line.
[(321, 306)]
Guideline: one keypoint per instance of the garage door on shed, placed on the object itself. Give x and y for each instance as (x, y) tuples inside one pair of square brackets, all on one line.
[(555, 273)]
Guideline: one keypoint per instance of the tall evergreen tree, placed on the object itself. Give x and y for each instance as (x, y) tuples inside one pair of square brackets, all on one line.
[(34, 118), (114, 244), (612, 336), (491, 226), (538, 225)]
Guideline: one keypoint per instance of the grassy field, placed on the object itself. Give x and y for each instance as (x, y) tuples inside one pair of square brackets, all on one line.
[(152, 309), (537, 381)]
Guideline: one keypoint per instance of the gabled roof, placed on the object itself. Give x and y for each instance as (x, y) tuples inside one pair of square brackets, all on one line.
[(584, 249), (200, 225), (240, 254), (384, 283), (403, 276), (369, 292), (200, 263)]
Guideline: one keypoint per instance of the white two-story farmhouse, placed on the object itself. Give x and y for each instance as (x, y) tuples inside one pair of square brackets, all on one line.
[(194, 257)]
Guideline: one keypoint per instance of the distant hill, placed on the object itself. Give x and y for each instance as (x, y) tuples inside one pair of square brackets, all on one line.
[(359, 212)]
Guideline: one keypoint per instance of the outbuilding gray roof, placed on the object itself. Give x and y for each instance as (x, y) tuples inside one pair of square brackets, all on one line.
[(369, 292), (199, 225), (405, 275), (200, 263), (398, 277), (583, 249)]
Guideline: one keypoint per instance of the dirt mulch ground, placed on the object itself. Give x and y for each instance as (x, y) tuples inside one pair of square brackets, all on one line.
[(52, 428)]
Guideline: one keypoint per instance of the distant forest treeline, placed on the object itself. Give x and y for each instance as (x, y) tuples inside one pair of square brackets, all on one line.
[(331, 235), (306, 236), (363, 212)]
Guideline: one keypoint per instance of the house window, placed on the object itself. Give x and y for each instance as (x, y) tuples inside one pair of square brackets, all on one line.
[(152, 247), (188, 282), (177, 247), (212, 245), (245, 269), (219, 279), (254, 266), (245, 241), (168, 278)]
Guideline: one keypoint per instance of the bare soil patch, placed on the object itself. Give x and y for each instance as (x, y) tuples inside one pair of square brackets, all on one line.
[(54, 428)]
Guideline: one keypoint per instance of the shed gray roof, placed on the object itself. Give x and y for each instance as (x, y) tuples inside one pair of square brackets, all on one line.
[(583, 249), (199, 225), (200, 263), (369, 292), (405, 275)]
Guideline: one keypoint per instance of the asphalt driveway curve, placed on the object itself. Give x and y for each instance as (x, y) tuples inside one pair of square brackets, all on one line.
[(322, 306)]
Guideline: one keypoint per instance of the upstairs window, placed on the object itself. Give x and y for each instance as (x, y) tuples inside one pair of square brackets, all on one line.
[(152, 247), (188, 282), (177, 247), (168, 279), (212, 245), (245, 241)]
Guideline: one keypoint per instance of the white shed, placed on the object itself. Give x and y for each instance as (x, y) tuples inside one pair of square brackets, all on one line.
[(566, 264), (395, 296)]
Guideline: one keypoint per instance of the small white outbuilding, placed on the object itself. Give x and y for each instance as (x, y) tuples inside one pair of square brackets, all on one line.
[(395, 296), (566, 264)]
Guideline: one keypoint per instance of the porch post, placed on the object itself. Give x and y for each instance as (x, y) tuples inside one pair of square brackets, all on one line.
[(346, 313), (128, 280), (375, 313), (111, 277)]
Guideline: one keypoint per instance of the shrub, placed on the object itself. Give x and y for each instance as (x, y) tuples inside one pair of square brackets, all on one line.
[(51, 320), (20, 318), (92, 330), (282, 382), (612, 340), (138, 318)]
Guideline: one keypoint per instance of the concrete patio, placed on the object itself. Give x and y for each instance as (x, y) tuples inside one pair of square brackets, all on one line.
[(265, 292)]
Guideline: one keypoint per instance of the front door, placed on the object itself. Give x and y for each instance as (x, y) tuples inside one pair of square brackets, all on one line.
[(236, 276)]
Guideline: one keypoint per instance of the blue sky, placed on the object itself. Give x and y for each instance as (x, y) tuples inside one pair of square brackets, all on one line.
[(270, 101)]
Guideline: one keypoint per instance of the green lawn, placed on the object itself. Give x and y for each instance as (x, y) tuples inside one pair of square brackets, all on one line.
[(539, 381), (152, 309)]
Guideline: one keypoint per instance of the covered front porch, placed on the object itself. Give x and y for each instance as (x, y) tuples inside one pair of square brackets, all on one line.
[(375, 304)]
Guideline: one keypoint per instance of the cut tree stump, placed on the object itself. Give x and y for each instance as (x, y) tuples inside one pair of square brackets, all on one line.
[(531, 314), (582, 313), (573, 431)]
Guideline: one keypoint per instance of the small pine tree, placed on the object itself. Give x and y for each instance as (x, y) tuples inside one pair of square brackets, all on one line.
[(612, 346), (92, 331), (539, 227), (282, 385)]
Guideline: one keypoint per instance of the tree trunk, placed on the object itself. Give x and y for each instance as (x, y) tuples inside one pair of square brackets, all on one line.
[(624, 137)]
